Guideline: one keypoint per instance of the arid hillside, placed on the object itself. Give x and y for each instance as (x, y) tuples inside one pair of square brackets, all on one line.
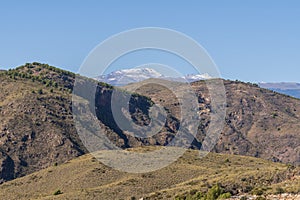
[(36, 120), (258, 122), (37, 129), (190, 177)]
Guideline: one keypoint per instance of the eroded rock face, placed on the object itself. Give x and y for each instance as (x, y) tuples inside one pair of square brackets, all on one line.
[(258, 122), (7, 167)]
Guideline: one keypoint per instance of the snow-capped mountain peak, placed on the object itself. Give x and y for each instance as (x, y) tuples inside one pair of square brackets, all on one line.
[(126, 76), (193, 77)]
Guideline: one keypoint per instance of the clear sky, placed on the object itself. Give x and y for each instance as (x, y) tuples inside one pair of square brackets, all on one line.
[(257, 40)]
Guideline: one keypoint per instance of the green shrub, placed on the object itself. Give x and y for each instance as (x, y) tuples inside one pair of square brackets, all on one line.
[(279, 190), (274, 115), (57, 192), (40, 91), (260, 198), (48, 83), (179, 197), (198, 195), (214, 193), (225, 196), (257, 191)]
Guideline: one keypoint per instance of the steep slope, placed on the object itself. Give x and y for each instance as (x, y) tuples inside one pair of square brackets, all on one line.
[(36, 119), (259, 122), (262, 122), (36, 128), (86, 178)]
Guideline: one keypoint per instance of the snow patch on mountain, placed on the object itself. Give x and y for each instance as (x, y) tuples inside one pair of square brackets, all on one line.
[(193, 77)]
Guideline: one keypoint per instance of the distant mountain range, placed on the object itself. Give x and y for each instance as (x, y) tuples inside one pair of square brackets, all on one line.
[(291, 89), (127, 76)]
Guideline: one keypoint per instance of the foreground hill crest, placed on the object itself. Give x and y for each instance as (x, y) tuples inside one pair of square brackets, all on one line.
[(188, 178)]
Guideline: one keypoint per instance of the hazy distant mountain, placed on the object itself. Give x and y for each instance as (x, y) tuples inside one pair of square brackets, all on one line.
[(126, 76), (291, 89)]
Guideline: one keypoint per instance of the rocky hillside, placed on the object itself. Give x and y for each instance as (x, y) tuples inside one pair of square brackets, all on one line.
[(37, 128), (259, 122)]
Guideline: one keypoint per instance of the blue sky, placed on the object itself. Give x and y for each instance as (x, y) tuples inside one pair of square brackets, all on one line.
[(248, 40)]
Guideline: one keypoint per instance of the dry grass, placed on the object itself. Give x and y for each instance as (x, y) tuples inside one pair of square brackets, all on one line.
[(86, 178)]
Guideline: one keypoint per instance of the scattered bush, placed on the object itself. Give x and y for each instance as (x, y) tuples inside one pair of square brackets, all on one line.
[(214, 193), (224, 196), (257, 191), (274, 115), (40, 91), (279, 190), (57, 192), (260, 198)]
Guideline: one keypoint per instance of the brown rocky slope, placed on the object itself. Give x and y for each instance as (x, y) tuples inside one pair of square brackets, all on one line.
[(258, 122), (37, 128)]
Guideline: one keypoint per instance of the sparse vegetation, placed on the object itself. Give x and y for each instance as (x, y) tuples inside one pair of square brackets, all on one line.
[(171, 182)]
